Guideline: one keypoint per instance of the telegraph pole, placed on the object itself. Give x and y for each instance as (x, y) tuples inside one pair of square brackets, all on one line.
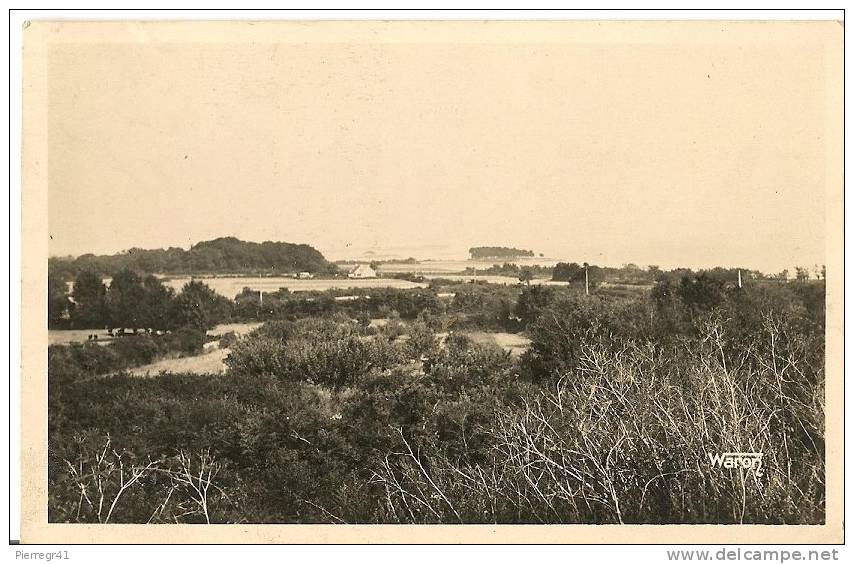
[(586, 281)]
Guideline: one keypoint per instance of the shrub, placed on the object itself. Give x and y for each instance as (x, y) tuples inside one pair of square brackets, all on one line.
[(137, 350), (324, 352), (422, 341), (463, 364), (228, 340), (79, 360), (393, 329), (186, 340)]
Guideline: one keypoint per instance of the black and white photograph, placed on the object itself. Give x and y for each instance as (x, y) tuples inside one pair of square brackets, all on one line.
[(433, 273)]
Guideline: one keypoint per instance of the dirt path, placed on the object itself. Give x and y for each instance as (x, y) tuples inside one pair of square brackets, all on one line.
[(208, 363)]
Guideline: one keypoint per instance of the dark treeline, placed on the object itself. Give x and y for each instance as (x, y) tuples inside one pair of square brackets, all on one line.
[(135, 300), (512, 269), (445, 305), (132, 301), (222, 255), (373, 302), (631, 274), (498, 252)]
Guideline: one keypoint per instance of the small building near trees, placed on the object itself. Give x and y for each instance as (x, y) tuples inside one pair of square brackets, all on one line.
[(362, 271)]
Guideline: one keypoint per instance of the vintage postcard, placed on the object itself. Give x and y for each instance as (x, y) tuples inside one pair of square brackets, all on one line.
[(433, 282)]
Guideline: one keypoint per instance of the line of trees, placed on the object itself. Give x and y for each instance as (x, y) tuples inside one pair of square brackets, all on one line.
[(511, 269), (133, 301), (574, 273), (633, 274), (498, 252), (374, 302), (222, 255)]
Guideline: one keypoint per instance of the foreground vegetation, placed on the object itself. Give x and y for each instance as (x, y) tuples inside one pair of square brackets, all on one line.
[(322, 417)]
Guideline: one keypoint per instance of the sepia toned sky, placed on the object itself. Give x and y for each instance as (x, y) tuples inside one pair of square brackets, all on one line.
[(686, 151)]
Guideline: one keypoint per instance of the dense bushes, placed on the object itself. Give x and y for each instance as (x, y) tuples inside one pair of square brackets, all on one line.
[(325, 352), (372, 302), (134, 301), (186, 340), (485, 306), (609, 417), (623, 433), (79, 360), (289, 451), (228, 340)]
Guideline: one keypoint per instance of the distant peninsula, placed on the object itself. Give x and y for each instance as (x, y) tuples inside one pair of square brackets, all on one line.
[(478, 253), (225, 255)]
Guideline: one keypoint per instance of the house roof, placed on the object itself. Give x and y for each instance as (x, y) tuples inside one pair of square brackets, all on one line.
[(361, 267)]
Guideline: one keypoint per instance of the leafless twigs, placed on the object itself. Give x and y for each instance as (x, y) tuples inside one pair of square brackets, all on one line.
[(625, 438), (104, 477)]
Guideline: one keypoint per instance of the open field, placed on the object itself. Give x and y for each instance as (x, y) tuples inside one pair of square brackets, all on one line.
[(67, 336), (214, 362), (504, 280), (208, 363), (513, 342), (230, 287), (237, 328), (450, 266)]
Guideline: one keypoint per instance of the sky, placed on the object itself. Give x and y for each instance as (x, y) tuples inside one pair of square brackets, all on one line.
[(694, 153)]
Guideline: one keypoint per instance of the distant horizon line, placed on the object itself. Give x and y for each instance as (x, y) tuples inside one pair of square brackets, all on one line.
[(332, 258)]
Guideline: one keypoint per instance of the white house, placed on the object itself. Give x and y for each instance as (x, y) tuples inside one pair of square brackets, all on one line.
[(362, 271)]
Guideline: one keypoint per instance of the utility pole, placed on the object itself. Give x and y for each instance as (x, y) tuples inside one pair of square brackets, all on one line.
[(586, 281)]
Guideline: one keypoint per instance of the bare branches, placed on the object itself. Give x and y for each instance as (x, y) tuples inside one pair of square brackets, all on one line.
[(194, 476), (624, 437), (104, 478)]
